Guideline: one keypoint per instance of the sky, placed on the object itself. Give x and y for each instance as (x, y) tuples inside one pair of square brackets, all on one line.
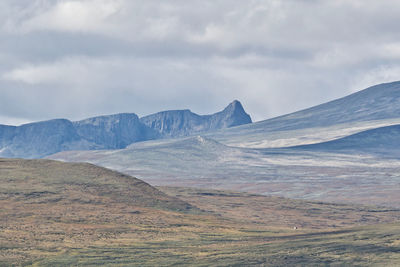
[(75, 59)]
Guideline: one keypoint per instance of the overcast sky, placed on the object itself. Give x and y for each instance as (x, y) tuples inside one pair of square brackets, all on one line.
[(75, 59)]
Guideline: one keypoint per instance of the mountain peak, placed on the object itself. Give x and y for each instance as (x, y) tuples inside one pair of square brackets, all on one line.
[(235, 102), (115, 131), (232, 115), (235, 105), (178, 123)]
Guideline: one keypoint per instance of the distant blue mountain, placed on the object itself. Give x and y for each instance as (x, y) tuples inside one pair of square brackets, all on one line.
[(114, 131), (40, 139), (177, 123)]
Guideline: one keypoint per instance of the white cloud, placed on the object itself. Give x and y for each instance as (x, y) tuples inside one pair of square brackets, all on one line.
[(66, 71), (380, 74), (75, 15), (101, 56)]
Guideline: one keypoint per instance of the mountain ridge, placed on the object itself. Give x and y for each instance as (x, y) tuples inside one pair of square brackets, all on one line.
[(116, 131), (178, 123)]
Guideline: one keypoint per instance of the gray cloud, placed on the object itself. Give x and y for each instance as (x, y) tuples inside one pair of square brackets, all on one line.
[(81, 58)]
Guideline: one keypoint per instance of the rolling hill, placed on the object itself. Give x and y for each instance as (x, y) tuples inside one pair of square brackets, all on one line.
[(60, 182), (67, 214)]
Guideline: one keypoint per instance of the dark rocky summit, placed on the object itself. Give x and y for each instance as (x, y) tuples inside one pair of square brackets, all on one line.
[(40, 139), (177, 123), (114, 131)]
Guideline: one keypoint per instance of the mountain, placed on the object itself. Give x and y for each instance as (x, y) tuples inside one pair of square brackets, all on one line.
[(224, 159), (40, 139), (178, 123), (37, 140), (383, 141), (6, 134), (114, 131), (379, 105), (374, 103)]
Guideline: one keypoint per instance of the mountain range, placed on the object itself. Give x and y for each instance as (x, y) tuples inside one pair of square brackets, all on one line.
[(327, 152), (36, 140)]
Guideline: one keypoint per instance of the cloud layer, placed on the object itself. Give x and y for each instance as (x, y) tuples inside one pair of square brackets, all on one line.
[(76, 59)]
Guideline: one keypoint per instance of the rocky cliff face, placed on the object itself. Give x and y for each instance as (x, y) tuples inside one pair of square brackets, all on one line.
[(36, 140), (178, 123), (39, 139), (232, 115), (114, 131), (6, 134)]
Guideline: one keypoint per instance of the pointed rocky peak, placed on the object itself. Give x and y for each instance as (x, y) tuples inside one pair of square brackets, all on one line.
[(233, 115), (235, 105)]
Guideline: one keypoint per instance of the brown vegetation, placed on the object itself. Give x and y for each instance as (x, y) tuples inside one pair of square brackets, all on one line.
[(63, 214)]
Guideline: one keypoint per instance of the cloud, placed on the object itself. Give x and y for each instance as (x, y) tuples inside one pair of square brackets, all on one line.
[(116, 84), (75, 16), (87, 57), (380, 74)]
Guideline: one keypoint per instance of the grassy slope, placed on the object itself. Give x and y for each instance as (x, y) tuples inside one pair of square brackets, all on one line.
[(59, 214)]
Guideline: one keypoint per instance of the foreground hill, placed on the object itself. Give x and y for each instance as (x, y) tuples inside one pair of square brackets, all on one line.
[(63, 214), (373, 107), (52, 181), (37, 140)]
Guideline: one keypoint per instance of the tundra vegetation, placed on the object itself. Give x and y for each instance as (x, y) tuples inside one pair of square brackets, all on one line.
[(73, 214)]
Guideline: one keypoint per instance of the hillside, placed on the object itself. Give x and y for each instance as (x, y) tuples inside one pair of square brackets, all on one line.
[(177, 159), (293, 173), (60, 182), (373, 107), (377, 102), (37, 140), (383, 141), (64, 214)]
